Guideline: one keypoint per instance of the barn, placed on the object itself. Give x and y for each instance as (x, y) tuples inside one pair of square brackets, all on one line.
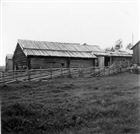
[(136, 53), (42, 54), (9, 62)]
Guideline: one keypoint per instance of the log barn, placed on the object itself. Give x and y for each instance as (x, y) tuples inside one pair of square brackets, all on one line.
[(136, 53), (42, 54)]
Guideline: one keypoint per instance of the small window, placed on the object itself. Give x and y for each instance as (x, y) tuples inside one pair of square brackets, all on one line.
[(62, 64)]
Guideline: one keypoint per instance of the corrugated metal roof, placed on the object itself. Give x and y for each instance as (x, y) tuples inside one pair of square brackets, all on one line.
[(58, 53), (60, 49), (44, 48), (125, 54)]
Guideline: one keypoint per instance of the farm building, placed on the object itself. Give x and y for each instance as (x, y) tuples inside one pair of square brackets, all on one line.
[(121, 57), (136, 53), (9, 62), (43, 54)]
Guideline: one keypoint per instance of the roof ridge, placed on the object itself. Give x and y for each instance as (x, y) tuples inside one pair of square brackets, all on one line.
[(49, 42)]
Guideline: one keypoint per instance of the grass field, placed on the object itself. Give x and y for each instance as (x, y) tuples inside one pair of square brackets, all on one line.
[(103, 105)]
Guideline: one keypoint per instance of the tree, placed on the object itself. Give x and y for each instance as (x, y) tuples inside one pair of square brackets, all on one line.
[(112, 49), (118, 44), (108, 49), (129, 46)]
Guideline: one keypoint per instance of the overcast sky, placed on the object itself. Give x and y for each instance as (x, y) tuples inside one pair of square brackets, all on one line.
[(94, 23)]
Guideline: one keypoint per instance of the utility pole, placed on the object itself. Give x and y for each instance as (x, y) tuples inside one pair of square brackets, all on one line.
[(132, 39)]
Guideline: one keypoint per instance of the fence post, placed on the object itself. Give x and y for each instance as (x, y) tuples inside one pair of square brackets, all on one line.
[(99, 71), (28, 73), (113, 69), (79, 70), (69, 72), (51, 71), (61, 72), (109, 70), (3, 77), (41, 73), (15, 75), (104, 70), (120, 68)]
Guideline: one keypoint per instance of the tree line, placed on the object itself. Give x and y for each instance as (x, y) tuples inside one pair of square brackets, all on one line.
[(118, 45)]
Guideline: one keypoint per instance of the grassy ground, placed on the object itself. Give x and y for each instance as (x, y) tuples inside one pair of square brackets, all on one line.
[(104, 105)]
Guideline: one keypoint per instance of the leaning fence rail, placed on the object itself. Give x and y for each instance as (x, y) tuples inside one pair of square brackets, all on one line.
[(50, 73)]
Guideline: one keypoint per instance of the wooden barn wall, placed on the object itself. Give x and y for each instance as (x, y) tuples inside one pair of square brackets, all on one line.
[(125, 61), (136, 54), (19, 59), (48, 62), (56, 62), (80, 62)]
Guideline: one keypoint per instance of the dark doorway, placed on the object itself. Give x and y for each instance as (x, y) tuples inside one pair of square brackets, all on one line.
[(107, 60)]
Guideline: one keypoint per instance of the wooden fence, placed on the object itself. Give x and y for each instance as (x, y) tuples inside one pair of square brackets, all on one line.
[(45, 74)]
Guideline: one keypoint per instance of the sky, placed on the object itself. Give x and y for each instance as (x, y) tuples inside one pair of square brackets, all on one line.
[(94, 23)]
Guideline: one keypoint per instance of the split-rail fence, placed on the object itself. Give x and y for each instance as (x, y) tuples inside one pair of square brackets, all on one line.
[(46, 74)]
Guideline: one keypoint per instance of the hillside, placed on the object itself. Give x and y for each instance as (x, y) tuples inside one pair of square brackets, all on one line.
[(103, 105)]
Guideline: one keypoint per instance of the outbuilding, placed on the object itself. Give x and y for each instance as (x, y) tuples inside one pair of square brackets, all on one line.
[(123, 58), (136, 53), (9, 62), (42, 54)]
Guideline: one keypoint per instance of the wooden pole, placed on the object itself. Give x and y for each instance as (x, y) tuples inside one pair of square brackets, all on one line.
[(132, 39), (41, 73), (3, 77), (104, 70), (79, 70), (13, 75), (69, 72), (99, 71), (28, 73), (61, 72), (16, 75), (109, 70), (51, 71)]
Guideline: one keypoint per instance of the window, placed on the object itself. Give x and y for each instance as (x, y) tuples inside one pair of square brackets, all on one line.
[(62, 64)]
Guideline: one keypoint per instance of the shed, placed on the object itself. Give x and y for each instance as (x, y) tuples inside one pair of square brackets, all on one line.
[(106, 58), (42, 54), (136, 53), (121, 57), (9, 62)]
